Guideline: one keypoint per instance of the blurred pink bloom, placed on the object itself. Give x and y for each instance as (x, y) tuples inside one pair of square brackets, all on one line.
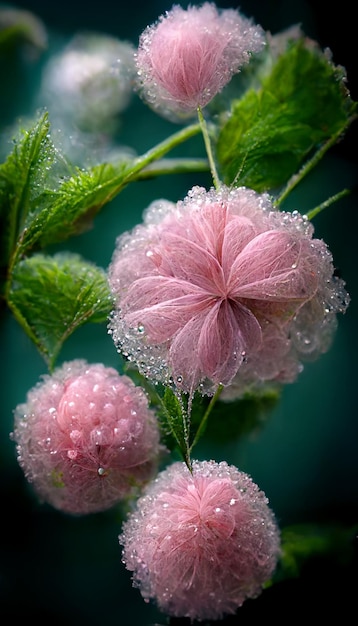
[(222, 288), (200, 544), (86, 437), (188, 56)]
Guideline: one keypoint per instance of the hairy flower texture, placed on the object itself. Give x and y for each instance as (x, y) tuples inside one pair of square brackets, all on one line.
[(90, 81), (222, 288), (201, 543), (188, 56), (86, 437)]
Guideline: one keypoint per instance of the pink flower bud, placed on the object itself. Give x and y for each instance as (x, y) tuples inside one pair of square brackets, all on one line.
[(188, 56), (86, 437), (201, 543), (223, 288)]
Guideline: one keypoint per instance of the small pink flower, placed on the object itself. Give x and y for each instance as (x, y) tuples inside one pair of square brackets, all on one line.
[(201, 543), (86, 437), (222, 288), (188, 56)]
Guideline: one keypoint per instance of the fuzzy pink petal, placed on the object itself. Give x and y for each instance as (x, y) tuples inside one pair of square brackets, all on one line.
[(201, 543), (216, 274), (213, 344), (193, 262), (169, 310), (274, 266), (86, 438), (189, 55), (239, 232)]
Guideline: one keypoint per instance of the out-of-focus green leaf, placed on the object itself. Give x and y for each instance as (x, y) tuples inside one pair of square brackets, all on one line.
[(235, 419), (52, 296), (303, 102), (18, 26), (302, 542)]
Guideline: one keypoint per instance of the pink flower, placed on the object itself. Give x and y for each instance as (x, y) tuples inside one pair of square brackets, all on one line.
[(86, 437), (200, 544), (222, 288), (188, 56)]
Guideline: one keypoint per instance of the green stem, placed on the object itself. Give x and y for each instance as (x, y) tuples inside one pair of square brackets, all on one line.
[(206, 416), (154, 154), (209, 152), (307, 167), (311, 214), (164, 167)]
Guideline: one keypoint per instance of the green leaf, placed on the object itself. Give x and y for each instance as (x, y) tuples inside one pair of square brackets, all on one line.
[(44, 200), (52, 296), (41, 200), (70, 210), (302, 103), (18, 27), (230, 421), (22, 178), (304, 542), (173, 412)]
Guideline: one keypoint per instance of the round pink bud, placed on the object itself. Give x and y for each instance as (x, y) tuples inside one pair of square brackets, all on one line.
[(86, 438), (201, 543), (222, 288), (188, 56)]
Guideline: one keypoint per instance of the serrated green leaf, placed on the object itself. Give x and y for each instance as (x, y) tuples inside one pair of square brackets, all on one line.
[(271, 131), (176, 419), (69, 210), (52, 296), (22, 178), (41, 200), (44, 201)]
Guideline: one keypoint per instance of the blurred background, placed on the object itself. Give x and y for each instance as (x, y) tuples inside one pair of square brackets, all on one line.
[(64, 570)]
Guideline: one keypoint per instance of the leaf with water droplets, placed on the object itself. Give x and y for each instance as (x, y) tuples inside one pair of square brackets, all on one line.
[(43, 199), (21, 179), (52, 296), (173, 420), (302, 103)]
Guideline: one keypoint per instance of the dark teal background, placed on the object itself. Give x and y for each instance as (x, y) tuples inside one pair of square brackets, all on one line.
[(61, 570)]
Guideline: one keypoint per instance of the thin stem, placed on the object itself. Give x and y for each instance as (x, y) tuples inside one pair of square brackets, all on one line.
[(307, 167), (209, 152), (206, 416), (311, 214), (154, 154), (164, 167)]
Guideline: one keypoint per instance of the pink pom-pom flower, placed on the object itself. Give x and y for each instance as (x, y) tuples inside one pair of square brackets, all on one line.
[(86, 438), (188, 56), (222, 288), (201, 543)]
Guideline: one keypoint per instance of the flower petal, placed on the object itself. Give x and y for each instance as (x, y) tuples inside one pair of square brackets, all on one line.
[(212, 345), (275, 265), (162, 305)]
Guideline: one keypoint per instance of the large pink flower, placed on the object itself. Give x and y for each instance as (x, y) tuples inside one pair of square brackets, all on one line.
[(188, 56), (86, 437), (222, 286), (201, 543)]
